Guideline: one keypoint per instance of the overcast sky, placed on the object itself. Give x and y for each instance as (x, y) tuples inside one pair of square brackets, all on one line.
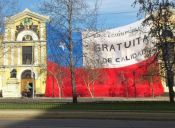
[(112, 13)]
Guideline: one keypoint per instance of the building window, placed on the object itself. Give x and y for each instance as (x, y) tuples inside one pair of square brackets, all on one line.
[(27, 56)]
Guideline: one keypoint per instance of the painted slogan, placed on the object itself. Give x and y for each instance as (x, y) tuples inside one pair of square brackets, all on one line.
[(118, 47)]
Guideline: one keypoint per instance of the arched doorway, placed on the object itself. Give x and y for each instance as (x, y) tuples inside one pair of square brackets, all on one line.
[(27, 82)]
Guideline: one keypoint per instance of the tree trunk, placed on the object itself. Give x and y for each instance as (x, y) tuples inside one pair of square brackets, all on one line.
[(90, 92), (72, 69), (74, 93), (127, 90), (59, 89), (53, 87), (152, 86), (170, 82), (135, 89), (93, 90), (171, 93)]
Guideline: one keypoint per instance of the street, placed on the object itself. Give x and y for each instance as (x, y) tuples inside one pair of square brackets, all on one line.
[(83, 123)]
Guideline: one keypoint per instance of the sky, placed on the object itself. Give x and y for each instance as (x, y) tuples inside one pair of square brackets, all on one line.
[(112, 13)]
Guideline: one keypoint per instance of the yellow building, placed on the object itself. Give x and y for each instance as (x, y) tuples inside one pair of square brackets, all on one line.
[(23, 56)]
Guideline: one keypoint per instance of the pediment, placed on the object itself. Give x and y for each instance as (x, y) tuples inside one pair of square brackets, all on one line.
[(29, 13)]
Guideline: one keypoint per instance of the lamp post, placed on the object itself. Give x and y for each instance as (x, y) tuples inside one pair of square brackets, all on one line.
[(32, 74)]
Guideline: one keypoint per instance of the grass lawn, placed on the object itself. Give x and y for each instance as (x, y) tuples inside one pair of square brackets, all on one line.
[(122, 105)]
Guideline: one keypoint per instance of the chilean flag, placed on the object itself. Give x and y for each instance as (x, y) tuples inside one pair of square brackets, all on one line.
[(125, 70)]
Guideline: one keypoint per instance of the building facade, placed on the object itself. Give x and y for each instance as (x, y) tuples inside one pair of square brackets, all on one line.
[(23, 59)]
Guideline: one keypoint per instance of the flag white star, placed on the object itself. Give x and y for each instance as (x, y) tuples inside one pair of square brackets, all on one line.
[(62, 45)]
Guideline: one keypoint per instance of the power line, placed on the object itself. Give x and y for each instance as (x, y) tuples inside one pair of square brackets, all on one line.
[(116, 13)]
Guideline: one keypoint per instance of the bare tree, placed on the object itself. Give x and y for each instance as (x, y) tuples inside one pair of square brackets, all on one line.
[(70, 16), (57, 74), (91, 74), (152, 71), (159, 17), (121, 76)]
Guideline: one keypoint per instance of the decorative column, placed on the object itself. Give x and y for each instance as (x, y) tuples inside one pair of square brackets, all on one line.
[(6, 34), (12, 45), (43, 52), (5, 54), (12, 34), (42, 31), (1, 79), (12, 54), (19, 55), (35, 53)]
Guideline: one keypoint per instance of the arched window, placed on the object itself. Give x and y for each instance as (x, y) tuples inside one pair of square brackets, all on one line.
[(27, 34)]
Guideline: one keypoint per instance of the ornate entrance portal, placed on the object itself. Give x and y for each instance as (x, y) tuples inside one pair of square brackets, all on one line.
[(27, 81)]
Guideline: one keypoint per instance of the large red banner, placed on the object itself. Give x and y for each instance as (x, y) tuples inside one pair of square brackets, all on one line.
[(138, 80)]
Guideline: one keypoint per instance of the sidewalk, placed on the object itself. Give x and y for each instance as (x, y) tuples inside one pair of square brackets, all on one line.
[(84, 99), (58, 114)]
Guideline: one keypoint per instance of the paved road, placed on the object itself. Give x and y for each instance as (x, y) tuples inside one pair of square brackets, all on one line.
[(80, 123)]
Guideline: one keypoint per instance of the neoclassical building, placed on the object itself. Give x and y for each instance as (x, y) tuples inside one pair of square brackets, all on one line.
[(23, 56)]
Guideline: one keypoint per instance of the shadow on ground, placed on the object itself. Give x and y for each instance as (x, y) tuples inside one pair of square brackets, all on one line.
[(84, 115)]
